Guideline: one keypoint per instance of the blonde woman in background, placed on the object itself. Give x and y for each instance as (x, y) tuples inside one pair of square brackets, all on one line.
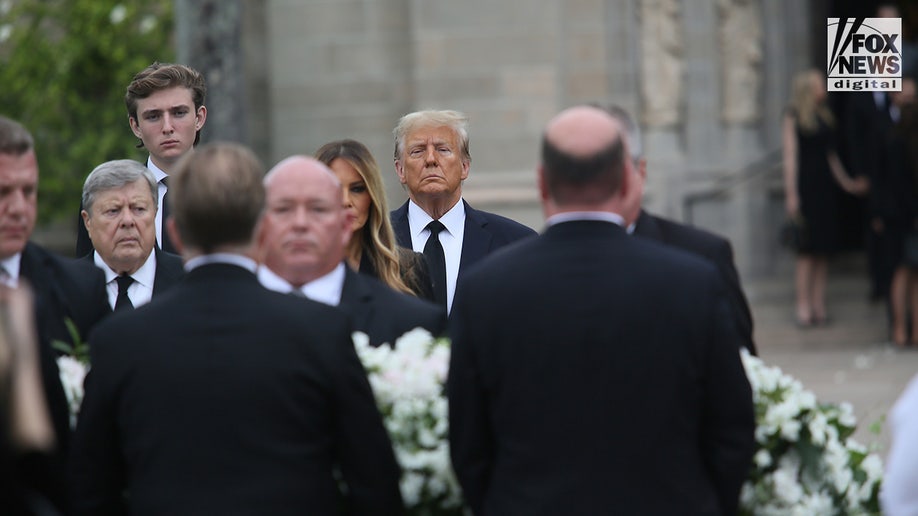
[(372, 249), (813, 174)]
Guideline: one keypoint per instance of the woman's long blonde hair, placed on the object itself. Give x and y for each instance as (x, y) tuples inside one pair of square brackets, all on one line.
[(377, 236), (804, 106)]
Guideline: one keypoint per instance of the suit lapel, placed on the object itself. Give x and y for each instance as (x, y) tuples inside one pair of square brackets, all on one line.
[(166, 274), (476, 240), (399, 219)]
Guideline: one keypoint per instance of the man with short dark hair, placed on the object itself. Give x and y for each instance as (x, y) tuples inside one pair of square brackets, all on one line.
[(64, 289), (591, 370), (165, 105), (220, 396)]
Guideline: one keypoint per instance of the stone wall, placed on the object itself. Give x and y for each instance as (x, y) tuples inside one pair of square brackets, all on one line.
[(707, 79)]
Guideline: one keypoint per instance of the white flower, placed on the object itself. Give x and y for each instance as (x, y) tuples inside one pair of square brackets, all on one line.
[(408, 383), (72, 374), (5, 32), (762, 459), (817, 426), (118, 14), (802, 465), (411, 485), (5, 7), (786, 487)]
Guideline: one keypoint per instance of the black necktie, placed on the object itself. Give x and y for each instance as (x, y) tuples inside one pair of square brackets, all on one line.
[(436, 260), (123, 302), (167, 243)]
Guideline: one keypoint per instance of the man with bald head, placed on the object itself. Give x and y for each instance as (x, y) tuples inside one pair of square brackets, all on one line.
[(306, 229), (591, 371), (695, 240)]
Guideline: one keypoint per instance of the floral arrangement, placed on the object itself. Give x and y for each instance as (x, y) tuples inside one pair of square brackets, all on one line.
[(805, 462), (73, 366), (408, 381)]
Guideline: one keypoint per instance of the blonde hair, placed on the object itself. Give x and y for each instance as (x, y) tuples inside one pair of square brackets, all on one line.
[(804, 106), (455, 120), (377, 236)]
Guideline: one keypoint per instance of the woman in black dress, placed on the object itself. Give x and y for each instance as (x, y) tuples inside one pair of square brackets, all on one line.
[(813, 174)]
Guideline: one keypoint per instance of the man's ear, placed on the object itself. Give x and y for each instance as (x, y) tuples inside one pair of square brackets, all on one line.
[(642, 168), (87, 222), (544, 194), (200, 118), (135, 127), (400, 170)]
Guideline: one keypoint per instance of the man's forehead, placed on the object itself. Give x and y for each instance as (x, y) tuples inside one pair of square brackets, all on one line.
[(435, 133), (170, 98), (18, 167), (131, 190)]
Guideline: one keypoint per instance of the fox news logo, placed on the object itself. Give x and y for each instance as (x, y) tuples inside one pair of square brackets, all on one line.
[(865, 54)]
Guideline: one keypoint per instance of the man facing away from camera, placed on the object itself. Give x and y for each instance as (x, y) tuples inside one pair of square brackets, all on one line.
[(591, 370), (248, 401)]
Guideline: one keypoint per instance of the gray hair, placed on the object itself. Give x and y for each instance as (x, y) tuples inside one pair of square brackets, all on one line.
[(455, 120), (115, 174), (14, 138), (632, 131)]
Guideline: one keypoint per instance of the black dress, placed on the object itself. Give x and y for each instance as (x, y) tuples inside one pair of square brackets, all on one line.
[(817, 190), (895, 187)]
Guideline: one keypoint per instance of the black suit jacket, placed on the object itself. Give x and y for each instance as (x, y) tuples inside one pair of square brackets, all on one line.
[(714, 248), (244, 403), (169, 270), (866, 130), (592, 372), (64, 288), (484, 233), (385, 314)]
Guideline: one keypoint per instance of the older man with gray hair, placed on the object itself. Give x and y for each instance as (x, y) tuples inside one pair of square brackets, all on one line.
[(120, 204)]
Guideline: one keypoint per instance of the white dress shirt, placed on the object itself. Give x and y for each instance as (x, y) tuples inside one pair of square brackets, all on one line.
[(141, 290), (11, 265), (450, 239), (325, 289), (899, 491), (568, 216), (228, 258), (160, 192)]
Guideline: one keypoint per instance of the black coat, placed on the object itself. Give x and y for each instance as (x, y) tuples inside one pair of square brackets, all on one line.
[(710, 246), (244, 403), (596, 373), (384, 314)]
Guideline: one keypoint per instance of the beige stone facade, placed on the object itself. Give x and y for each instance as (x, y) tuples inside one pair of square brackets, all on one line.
[(329, 69)]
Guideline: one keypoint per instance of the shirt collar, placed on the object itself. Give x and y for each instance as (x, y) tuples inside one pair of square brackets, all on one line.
[(568, 216), (157, 173), (325, 289), (145, 275), (228, 258), (453, 220), (12, 266)]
